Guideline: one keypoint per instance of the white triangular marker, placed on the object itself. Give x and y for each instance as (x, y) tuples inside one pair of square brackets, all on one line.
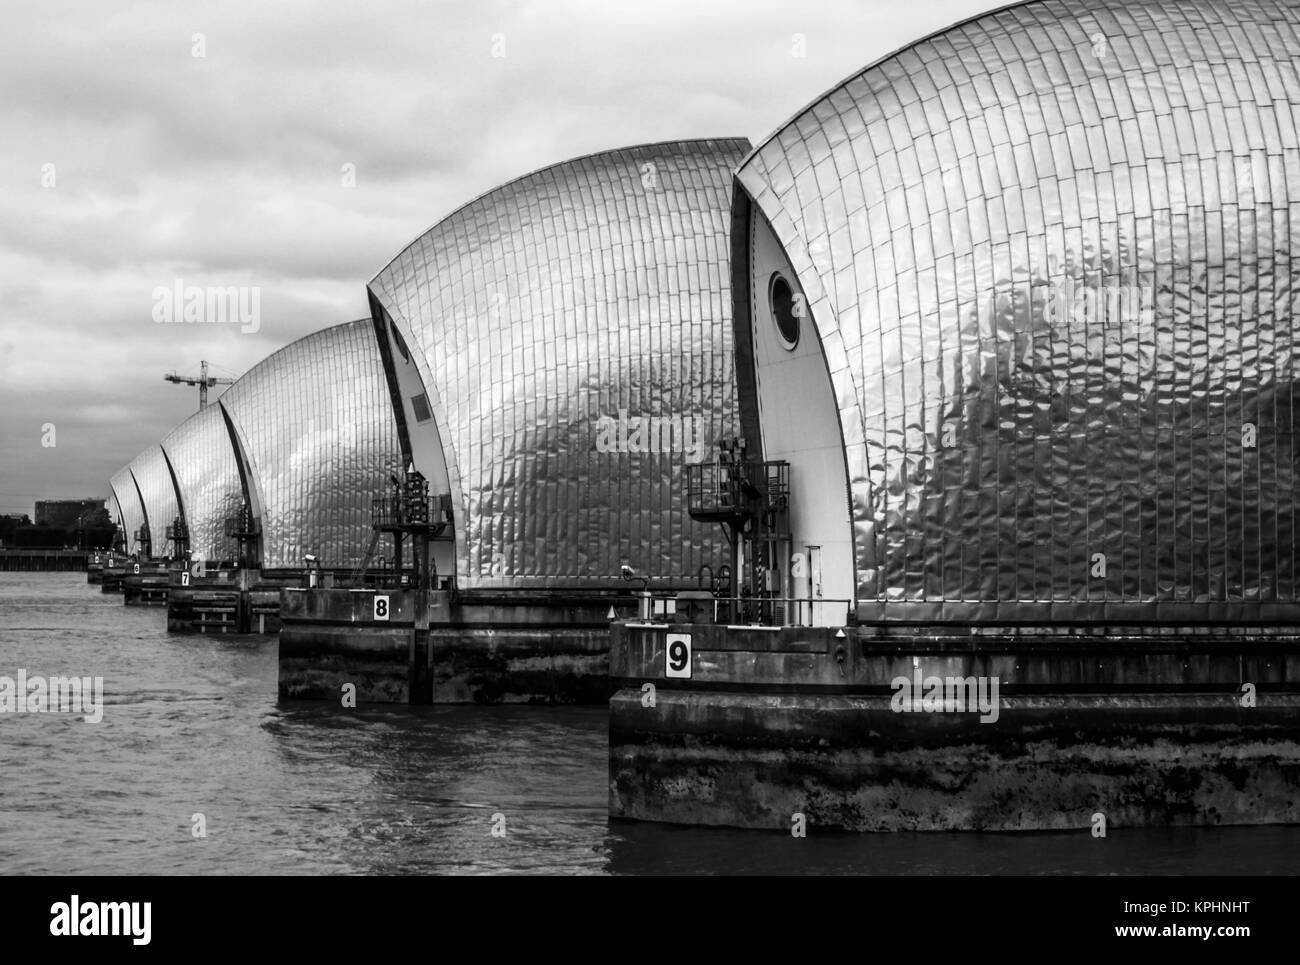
[(612, 614)]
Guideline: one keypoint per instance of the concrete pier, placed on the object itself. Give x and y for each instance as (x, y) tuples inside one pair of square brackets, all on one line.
[(227, 600), (95, 563), (113, 574), (481, 647), (1188, 726), (145, 584)]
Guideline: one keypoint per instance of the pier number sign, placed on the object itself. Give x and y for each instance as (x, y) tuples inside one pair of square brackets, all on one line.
[(677, 656), (381, 606)]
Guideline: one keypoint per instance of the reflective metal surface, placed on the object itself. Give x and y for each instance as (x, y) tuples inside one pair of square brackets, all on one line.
[(114, 510), (159, 494), (131, 513), (208, 479), (967, 218), (572, 330), (316, 422)]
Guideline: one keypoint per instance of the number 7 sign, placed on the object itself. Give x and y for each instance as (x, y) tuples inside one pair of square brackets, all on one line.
[(677, 656)]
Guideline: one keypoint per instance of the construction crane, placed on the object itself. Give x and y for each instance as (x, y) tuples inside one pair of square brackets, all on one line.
[(203, 381)]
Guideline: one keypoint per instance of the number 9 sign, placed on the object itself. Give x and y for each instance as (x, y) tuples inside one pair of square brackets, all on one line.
[(677, 656)]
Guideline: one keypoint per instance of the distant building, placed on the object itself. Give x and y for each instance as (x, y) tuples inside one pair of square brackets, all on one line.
[(65, 513), (9, 522)]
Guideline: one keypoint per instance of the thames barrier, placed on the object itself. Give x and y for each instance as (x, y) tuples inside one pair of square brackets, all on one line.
[(927, 464)]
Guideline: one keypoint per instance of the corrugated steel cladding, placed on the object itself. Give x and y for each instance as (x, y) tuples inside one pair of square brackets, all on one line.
[(932, 204), (128, 502), (159, 495), (114, 509), (317, 426), (208, 478), (587, 288), (128, 506), (65, 513)]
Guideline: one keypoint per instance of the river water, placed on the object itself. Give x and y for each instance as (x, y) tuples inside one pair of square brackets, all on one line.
[(192, 726)]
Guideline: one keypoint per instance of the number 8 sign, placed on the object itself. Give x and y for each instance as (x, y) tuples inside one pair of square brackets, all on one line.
[(381, 606), (677, 656)]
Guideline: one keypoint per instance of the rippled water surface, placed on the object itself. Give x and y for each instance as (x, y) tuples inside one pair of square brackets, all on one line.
[(192, 725)]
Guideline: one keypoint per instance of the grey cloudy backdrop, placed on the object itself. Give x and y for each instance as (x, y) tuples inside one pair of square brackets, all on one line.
[(226, 169)]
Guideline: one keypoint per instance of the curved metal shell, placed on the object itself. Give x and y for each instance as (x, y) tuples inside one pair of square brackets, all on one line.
[(158, 492), (1049, 258), (207, 477), (572, 333), (114, 509), (316, 424), (130, 510)]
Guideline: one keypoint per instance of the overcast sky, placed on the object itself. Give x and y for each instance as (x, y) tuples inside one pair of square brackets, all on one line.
[(228, 169)]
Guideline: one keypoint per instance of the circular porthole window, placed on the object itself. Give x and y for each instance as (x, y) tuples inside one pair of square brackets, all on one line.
[(781, 298)]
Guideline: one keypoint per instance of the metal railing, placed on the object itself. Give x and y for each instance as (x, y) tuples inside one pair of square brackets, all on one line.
[(388, 512), (379, 573), (725, 488), (242, 527), (767, 611)]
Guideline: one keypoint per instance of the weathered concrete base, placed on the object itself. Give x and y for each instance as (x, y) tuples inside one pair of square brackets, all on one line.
[(475, 653), (110, 580), (331, 638), (748, 726), (96, 562), (380, 678), (1048, 763), (470, 666), (202, 610), (316, 666), (141, 584), (226, 601), (553, 665), (147, 588)]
